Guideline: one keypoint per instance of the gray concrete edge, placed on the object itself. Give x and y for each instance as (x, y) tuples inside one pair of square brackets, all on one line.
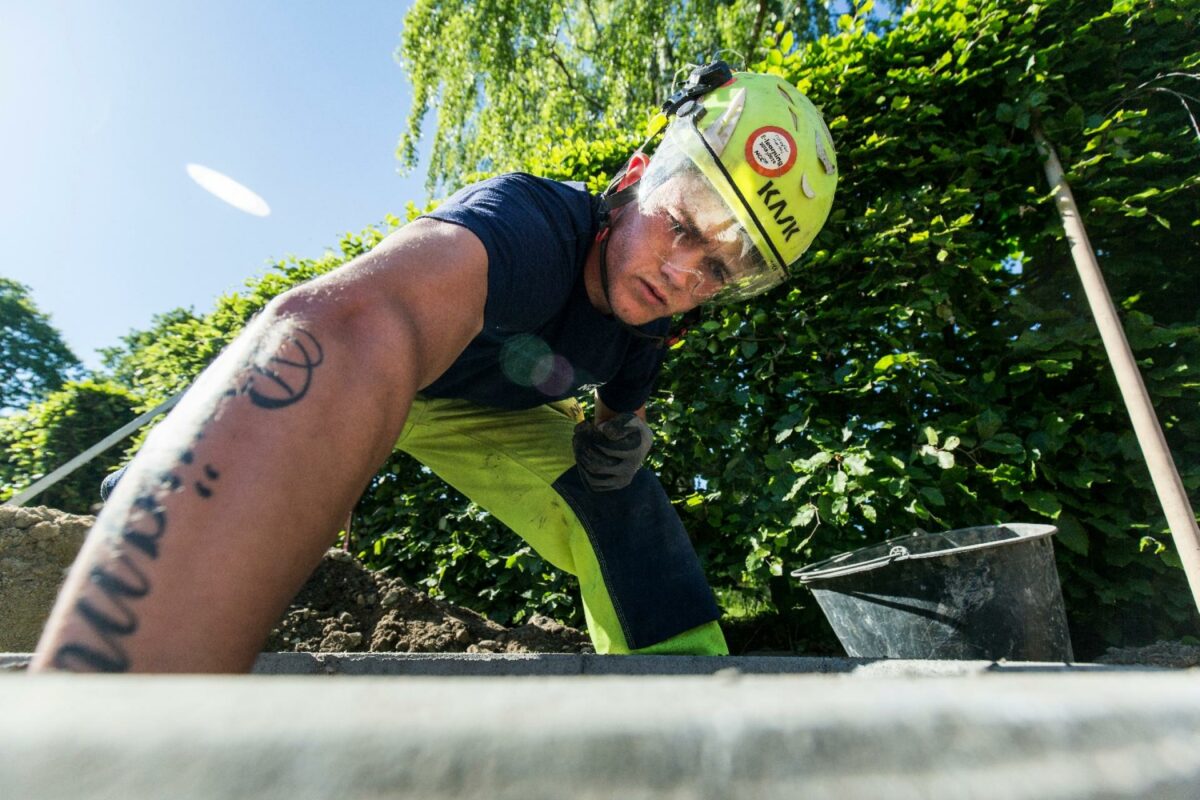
[(708, 737), (566, 664)]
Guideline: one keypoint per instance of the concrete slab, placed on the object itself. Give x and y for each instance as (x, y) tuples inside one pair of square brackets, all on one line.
[(463, 664), (561, 664), (1016, 736)]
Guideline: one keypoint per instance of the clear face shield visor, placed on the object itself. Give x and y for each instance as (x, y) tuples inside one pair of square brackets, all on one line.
[(711, 245)]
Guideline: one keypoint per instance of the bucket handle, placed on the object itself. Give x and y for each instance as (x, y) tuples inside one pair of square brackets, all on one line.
[(898, 553)]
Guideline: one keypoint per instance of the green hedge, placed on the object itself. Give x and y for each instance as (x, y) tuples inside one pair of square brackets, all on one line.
[(49, 433), (936, 366)]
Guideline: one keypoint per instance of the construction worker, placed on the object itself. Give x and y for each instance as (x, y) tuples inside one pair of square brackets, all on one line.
[(463, 339)]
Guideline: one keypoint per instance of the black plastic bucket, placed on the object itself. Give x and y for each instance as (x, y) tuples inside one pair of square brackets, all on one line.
[(975, 593)]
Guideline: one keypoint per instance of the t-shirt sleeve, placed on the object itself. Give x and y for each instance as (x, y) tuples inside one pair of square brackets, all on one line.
[(631, 386), (528, 233)]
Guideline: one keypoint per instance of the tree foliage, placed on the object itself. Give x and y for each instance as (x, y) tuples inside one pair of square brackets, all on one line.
[(933, 364), (53, 431), (501, 72), (123, 361), (34, 360)]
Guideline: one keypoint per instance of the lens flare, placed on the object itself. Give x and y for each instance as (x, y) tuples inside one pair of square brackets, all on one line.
[(228, 190)]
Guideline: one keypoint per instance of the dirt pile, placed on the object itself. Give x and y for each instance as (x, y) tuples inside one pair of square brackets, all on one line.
[(343, 608), (37, 546), (346, 608)]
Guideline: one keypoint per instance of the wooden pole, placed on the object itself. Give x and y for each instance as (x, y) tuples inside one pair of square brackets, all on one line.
[(1167, 484)]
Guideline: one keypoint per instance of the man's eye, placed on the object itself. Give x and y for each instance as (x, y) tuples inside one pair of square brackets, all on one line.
[(686, 229), (718, 271)]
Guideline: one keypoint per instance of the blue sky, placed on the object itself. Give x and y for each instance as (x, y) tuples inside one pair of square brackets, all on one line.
[(104, 103)]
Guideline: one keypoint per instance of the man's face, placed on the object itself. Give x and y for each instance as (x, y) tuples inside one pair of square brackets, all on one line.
[(671, 251)]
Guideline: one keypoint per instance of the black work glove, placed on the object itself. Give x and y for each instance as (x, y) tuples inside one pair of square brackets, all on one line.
[(110, 483), (609, 454)]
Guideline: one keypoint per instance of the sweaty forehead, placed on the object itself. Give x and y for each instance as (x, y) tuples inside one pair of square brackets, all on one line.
[(691, 197)]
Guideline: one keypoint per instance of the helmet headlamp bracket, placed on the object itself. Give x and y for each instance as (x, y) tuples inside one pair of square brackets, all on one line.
[(702, 81)]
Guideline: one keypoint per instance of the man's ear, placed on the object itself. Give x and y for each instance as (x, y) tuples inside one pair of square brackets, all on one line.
[(634, 169)]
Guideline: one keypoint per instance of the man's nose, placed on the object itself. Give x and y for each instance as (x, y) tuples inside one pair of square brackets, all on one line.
[(681, 271)]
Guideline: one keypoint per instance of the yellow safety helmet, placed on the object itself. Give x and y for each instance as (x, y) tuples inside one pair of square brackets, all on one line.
[(766, 153)]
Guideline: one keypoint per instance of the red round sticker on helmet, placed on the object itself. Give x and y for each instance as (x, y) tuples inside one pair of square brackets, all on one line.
[(771, 151)]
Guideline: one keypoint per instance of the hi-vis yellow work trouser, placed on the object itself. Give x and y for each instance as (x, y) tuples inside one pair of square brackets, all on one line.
[(642, 585)]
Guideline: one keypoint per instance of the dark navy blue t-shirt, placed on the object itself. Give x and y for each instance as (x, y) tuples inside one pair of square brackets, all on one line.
[(542, 339)]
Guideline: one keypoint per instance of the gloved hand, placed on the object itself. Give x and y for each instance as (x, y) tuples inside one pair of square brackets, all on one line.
[(609, 454), (110, 483)]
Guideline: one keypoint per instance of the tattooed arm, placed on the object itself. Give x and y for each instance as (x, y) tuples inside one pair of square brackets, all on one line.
[(236, 495)]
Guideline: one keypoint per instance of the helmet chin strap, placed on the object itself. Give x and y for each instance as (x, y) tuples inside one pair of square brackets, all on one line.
[(604, 271)]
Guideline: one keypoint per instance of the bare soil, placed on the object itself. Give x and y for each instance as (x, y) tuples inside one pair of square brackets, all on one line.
[(37, 546), (345, 608), (1160, 654)]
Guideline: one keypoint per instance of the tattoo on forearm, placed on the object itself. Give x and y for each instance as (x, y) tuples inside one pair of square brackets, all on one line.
[(112, 618), (152, 525), (202, 488), (120, 582), (287, 376), (109, 613)]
